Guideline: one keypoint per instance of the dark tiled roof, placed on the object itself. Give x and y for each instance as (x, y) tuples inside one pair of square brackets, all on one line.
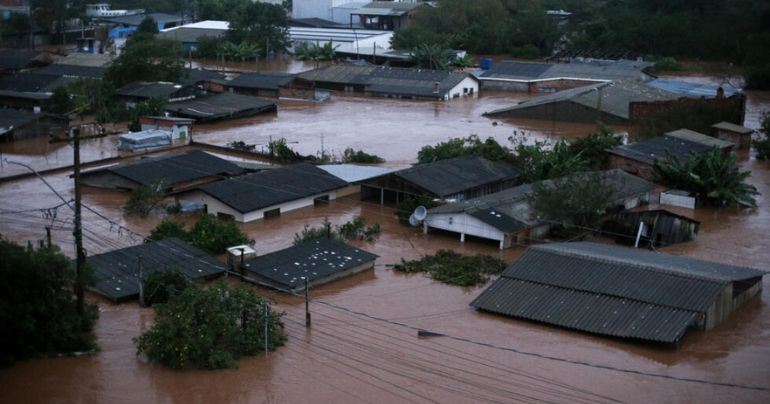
[(16, 118), (272, 187), (610, 290), (195, 76), (220, 106), (14, 59), (315, 259), (451, 176), (650, 150), (32, 82), (269, 81), (499, 220), (116, 272), (173, 169), (145, 89), (599, 71), (72, 71), (516, 70)]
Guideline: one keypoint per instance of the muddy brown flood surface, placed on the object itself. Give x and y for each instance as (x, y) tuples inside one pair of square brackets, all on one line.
[(363, 344)]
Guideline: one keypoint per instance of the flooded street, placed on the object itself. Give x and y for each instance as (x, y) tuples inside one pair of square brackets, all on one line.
[(363, 344)]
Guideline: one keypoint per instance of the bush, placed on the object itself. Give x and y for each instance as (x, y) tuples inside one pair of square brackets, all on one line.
[(162, 286), (539, 162), (167, 229), (355, 229), (665, 64), (406, 206), (592, 149), (528, 51), (454, 269), (144, 199), (469, 146), (763, 145), (210, 328), (209, 233), (353, 156), (279, 150), (38, 310)]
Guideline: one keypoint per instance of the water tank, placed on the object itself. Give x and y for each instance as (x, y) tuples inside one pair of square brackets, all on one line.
[(485, 63)]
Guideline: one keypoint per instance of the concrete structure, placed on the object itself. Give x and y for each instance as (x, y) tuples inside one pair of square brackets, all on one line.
[(266, 194), (338, 11), (619, 292), (736, 134), (386, 15), (509, 218)]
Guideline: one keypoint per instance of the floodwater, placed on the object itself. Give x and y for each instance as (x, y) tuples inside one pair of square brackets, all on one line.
[(347, 356)]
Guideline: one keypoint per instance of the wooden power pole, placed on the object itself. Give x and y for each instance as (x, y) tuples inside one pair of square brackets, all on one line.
[(78, 232)]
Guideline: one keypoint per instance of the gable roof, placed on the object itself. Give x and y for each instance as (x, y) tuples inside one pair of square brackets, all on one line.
[(220, 106), (610, 290), (536, 71), (145, 89), (195, 76), (451, 176), (649, 150), (172, 169), (697, 137), (14, 59), (693, 90), (271, 187), (732, 127), (314, 260), (33, 82), (116, 272), (76, 71), (14, 118), (270, 81)]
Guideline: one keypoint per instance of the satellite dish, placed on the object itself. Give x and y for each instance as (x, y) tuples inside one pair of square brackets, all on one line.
[(413, 221), (420, 213)]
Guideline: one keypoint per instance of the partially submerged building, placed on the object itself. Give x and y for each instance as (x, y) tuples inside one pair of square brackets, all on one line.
[(639, 158), (174, 172), (457, 178), (17, 124), (220, 106), (274, 84), (539, 77), (118, 274), (317, 261), (385, 15), (394, 82), (266, 194), (733, 133), (651, 228), (509, 218), (354, 175), (138, 91), (618, 291)]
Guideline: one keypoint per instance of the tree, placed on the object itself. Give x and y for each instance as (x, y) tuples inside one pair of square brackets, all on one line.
[(574, 202), (355, 229), (762, 145), (431, 56), (38, 309), (92, 96), (469, 146), (279, 150), (593, 148), (315, 52), (167, 229), (147, 59), (260, 23), (144, 199), (214, 236), (147, 26), (353, 156), (539, 162), (162, 286), (210, 328), (60, 101), (712, 176), (153, 107)]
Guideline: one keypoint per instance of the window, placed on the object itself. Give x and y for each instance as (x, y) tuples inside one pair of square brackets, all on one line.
[(451, 220)]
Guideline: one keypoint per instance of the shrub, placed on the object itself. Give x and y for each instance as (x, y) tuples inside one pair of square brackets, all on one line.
[(214, 236), (167, 229), (592, 149), (469, 146), (144, 199), (162, 286), (353, 156), (210, 328), (454, 269), (355, 229)]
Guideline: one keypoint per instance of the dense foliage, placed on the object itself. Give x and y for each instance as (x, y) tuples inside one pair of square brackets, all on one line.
[(762, 145), (142, 200), (315, 52), (469, 146), (431, 56), (359, 156), (572, 203), (209, 233), (406, 206), (162, 286), (210, 328), (153, 107), (712, 177), (281, 151), (261, 24), (146, 58), (355, 229), (455, 269), (592, 148), (92, 96), (540, 161), (38, 309)]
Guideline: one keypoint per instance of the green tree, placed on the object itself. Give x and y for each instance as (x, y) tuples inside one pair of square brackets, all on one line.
[(162, 286), (762, 145), (152, 107), (92, 96), (359, 156), (431, 56), (454, 269), (144, 199), (60, 101), (539, 162), (593, 148), (260, 23), (469, 146), (713, 177), (38, 309), (210, 328), (214, 236), (166, 229), (355, 229), (147, 26), (147, 59), (282, 152)]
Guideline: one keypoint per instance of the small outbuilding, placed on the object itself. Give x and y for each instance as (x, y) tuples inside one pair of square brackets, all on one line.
[(618, 291), (697, 137), (736, 134), (118, 274), (457, 178), (317, 261), (653, 228), (267, 193), (176, 172), (179, 128)]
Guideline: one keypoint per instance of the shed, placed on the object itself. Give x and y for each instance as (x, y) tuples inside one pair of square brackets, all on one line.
[(618, 291), (177, 172), (697, 137), (458, 178), (221, 106), (736, 134), (266, 84), (509, 218), (144, 140), (16, 124), (661, 227), (386, 15), (266, 194), (117, 272), (319, 261)]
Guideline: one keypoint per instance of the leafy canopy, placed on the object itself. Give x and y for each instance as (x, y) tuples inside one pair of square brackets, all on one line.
[(209, 233)]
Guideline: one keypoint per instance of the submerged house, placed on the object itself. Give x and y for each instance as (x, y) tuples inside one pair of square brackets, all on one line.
[(618, 291), (509, 218), (118, 274), (138, 91), (17, 124), (639, 158), (457, 178), (737, 134), (385, 15), (284, 85), (394, 82), (266, 194), (659, 228), (220, 106), (176, 172), (317, 261)]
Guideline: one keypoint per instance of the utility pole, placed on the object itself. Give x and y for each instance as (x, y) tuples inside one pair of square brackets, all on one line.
[(266, 311), (48, 236), (78, 232), (307, 304), (139, 281)]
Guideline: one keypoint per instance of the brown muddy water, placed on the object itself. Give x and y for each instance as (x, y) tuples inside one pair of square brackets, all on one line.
[(348, 357)]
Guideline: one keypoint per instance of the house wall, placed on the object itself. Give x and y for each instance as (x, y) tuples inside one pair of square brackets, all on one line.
[(463, 223), (677, 200), (561, 111), (257, 92), (725, 304), (214, 206), (504, 85), (644, 110), (44, 126), (469, 87)]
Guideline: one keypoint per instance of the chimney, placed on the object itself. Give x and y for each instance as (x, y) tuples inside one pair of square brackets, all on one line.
[(720, 92)]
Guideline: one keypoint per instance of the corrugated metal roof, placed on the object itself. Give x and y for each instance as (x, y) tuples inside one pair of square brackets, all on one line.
[(354, 173), (595, 70), (219, 106), (694, 90), (270, 81), (610, 290), (148, 89), (314, 260), (267, 188), (451, 176), (657, 148), (696, 137), (116, 272), (499, 220)]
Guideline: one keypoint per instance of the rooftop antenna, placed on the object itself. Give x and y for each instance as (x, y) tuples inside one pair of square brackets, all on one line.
[(420, 213)]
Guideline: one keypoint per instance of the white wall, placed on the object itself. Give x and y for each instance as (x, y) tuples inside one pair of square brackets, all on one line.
[(459, 90), (464, 224), (312, 9), (215, 206)]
